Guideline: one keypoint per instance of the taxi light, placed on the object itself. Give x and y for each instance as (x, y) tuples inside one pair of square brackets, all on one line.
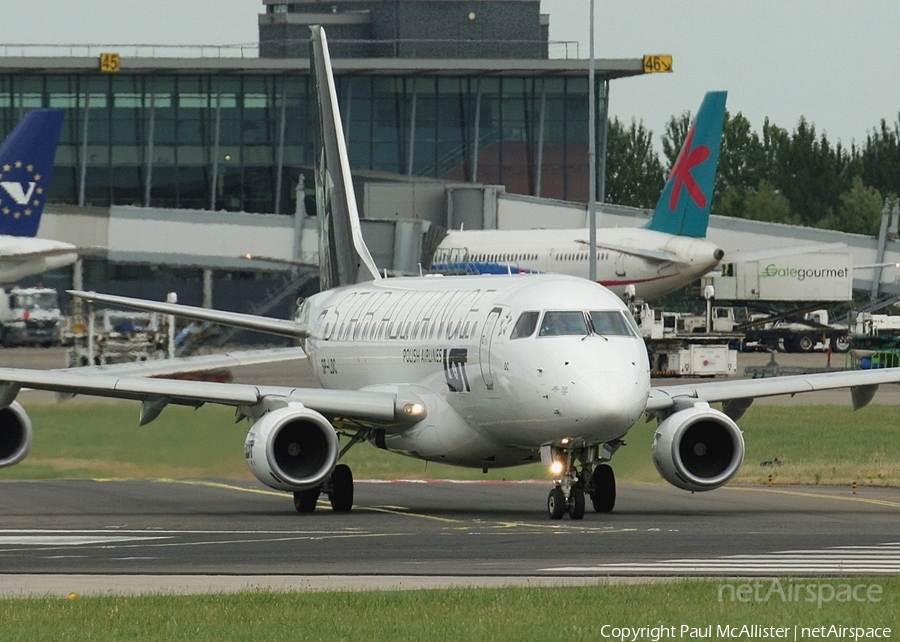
[(556, 468)]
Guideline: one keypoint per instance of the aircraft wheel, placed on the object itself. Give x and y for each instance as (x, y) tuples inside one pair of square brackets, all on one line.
[(341, 494), (305, 500), (556, 504), (576, 503), (604, 497)]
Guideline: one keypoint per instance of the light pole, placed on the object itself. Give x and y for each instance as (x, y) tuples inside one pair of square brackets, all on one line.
[(592, 159)]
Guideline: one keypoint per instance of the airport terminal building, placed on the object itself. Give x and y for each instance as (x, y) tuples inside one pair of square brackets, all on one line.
[(462, 90)]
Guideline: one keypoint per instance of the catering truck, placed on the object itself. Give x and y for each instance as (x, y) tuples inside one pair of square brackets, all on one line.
[(813, 277), (781, 302)]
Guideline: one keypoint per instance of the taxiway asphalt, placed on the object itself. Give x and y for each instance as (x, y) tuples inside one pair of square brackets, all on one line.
[(435, 529), (177, 536)]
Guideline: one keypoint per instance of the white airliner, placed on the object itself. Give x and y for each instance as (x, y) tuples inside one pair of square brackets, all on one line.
[(670, 252), (478, 371), (26, 165)]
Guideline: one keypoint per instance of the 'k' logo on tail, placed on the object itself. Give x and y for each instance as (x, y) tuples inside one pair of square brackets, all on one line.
[(683, 206)]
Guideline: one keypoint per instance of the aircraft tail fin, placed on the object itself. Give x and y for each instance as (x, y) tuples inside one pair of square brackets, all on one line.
[(344, 258), (683, 206), (26, 166)]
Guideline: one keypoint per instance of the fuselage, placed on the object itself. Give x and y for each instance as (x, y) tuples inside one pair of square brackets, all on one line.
[(497, 386), (22, 256), (636, 261)]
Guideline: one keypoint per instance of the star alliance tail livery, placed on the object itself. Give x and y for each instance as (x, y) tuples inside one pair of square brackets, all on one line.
[(26, 166)]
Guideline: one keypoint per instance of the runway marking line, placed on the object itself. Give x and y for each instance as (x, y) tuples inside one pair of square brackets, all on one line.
[(222, 485), (207, 543), (797, 493)]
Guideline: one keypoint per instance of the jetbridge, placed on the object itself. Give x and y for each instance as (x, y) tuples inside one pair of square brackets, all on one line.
[(404, 222)]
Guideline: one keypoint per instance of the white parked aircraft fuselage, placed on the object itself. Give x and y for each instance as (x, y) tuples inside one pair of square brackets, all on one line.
[(492, 399), (566, 251)]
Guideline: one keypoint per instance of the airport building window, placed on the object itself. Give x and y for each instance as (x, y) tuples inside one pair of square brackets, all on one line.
[(239, 141)]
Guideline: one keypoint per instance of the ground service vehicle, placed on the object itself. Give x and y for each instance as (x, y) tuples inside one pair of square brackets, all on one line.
[(30, 316)]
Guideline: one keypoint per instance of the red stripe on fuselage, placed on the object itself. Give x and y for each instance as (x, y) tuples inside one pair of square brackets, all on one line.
[(635, 281)]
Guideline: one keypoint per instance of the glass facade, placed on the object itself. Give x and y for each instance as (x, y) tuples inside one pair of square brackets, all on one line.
[(240, 141)]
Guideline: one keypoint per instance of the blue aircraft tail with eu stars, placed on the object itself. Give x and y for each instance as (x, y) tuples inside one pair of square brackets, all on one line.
[(683, 207), (26, 166)]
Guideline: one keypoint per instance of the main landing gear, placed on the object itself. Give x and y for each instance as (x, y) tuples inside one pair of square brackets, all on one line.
[(339, 489), (593, 479)]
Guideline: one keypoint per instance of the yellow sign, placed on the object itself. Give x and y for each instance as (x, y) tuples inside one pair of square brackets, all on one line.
[(109, 63), (659, 64)]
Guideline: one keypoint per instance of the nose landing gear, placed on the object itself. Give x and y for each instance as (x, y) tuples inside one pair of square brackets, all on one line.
[(594, 479)]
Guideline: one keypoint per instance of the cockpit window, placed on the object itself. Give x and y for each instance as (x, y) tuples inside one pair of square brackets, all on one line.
[(557, 324), (525, 325), (611, 323)]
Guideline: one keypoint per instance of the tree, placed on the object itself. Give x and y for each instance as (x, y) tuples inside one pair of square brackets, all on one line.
[(808, 171), (676, 133), (634, 175), (859, 211), (879, 159), (764, 203), (742, 162)]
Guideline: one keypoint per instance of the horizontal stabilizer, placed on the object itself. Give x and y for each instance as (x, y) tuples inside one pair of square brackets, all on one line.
[(645, 253), (267, 325)]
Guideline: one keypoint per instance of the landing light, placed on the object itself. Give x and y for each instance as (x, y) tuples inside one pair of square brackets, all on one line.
[(556, 468), (413, 409)]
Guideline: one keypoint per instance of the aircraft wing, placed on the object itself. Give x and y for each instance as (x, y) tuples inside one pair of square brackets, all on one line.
[(376, 407), (278, 327), (741, 392), (651, 255), (184, 365)]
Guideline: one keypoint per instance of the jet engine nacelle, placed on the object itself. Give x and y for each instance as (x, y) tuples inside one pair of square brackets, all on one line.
[(15, 435), (292, 448), (698, 448)]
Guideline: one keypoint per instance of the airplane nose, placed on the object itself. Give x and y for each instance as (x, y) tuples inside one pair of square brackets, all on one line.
[(611, 398)]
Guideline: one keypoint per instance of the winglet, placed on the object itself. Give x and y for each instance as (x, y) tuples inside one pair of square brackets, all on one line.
[(683, 206), (344, 258), (26, 166)]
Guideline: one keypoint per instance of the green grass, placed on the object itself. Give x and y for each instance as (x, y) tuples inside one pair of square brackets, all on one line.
[(454, 614), (822, 445), (817, 444)]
